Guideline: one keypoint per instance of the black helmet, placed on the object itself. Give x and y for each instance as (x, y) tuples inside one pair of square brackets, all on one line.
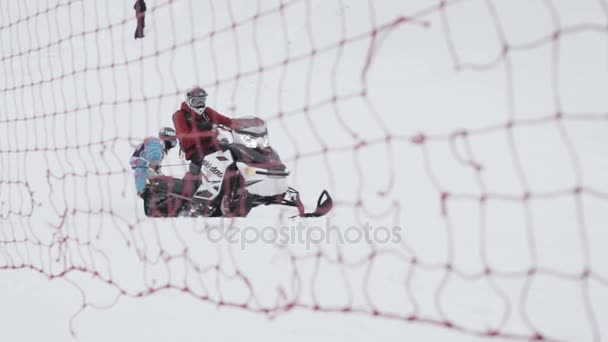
[(167, 134)]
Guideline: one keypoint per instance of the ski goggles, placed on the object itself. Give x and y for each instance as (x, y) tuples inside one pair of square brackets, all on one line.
[(172, 142), (198, 101)]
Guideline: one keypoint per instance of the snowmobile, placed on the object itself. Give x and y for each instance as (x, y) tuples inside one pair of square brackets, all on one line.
[(245, 172)]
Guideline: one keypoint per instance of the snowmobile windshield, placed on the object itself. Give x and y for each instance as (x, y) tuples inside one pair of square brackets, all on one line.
[(250, 125), (251, 132)]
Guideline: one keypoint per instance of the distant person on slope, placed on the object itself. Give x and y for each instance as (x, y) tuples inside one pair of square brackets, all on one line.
[(146, 161), (140, 14), (194, 126)]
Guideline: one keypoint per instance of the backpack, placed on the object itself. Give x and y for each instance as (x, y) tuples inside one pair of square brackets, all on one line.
[(204, 126), (188, 116)]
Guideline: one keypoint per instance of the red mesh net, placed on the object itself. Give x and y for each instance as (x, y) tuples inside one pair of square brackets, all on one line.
[(478, 128)]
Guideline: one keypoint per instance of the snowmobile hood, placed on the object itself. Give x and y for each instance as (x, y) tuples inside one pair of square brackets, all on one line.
[(267, 159)]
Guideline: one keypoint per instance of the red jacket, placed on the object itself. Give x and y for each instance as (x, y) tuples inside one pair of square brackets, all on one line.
[(197, 136)]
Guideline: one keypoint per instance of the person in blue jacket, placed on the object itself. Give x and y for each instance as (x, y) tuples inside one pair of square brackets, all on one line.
[(147, 158)]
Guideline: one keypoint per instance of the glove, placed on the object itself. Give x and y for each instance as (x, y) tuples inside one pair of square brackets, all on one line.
[(154, 169), (154, 166)]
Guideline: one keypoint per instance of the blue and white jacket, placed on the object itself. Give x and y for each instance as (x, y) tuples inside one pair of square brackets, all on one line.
[(150, 152)]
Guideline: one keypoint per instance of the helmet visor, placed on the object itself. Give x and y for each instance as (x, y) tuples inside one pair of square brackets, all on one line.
[(198, 101), (170, 143)]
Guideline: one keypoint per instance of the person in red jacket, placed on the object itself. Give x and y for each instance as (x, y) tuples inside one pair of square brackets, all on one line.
[(194, 123)]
